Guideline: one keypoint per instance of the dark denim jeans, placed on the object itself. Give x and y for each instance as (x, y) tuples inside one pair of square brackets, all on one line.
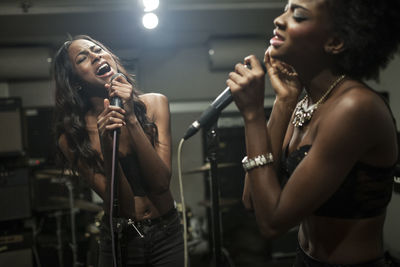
[(161, 246)]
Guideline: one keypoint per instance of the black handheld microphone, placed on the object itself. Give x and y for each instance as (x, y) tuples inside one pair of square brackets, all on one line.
[(210, 115), (116, 100)]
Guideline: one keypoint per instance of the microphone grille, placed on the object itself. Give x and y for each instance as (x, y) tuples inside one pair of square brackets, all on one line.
[(116, 75)]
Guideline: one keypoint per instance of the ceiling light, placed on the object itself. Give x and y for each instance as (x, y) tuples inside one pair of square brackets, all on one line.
[(150, 5), (150, 20)]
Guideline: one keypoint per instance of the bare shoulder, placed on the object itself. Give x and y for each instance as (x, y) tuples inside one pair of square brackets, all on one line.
[(360, 114), (156, 104), (362, 104), (154, 99)]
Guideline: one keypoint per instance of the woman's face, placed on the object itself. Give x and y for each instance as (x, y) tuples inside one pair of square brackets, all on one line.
[(301, 32), (91, 63)]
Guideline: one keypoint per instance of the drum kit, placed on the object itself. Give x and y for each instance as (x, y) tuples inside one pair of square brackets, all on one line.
[(215, 205), (63, 206), (223, 202)]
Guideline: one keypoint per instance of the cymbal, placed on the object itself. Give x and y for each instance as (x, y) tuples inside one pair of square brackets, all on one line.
[(82, 204), (51, 173), (207, 167), (223, 202)]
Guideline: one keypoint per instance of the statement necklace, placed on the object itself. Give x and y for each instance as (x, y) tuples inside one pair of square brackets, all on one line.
[(303, 112)]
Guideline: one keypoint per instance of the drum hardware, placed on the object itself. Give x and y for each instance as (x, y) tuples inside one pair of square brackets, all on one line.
[(207, 167), (73, 206), (188, 216), (54, 173), (57, 215), (78, 204), (223, 202), (92, 235), (66, 204), (197, 244)]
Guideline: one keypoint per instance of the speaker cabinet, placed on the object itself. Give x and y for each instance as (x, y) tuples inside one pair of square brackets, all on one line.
[(11, 137), (17, 258), (14, 195), (16, 246), (41, 145)]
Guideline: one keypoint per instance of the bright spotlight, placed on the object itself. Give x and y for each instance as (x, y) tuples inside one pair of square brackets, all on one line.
[(150, 20), (150, 5)]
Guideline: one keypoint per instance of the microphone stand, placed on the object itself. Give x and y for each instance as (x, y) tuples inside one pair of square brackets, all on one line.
[(212, 147), (114, 205)]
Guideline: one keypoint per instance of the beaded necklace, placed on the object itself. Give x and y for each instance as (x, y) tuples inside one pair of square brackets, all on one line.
[(303, 112)]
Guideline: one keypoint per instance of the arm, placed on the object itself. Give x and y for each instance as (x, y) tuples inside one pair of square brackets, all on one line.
[(97, 181), (155, 161), (287, 87)]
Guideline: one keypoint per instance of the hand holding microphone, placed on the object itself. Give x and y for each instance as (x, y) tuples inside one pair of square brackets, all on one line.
[(121, 93), (248, 88), (210, 115), (116, 100), (108, 119)]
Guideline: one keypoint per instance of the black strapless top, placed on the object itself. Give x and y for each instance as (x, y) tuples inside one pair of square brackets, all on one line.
[(365, 192), (131, 168)]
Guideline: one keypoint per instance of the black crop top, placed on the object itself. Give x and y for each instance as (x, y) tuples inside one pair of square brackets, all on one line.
[(365, 192), (131, 168)]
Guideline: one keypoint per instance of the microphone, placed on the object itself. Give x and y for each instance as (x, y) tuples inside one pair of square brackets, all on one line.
[(210, 115), (116, 100)]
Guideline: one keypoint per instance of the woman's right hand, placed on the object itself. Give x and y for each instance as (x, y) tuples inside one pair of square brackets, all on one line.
[(111, 118), (284, 79)]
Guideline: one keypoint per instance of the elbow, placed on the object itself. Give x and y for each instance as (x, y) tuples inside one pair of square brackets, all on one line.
[(247, 204), (269, 231), (159, 190), (162, 185), (162, 189)]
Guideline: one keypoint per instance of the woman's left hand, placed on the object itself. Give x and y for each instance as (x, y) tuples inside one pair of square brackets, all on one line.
[(123, 89), (284, 79)]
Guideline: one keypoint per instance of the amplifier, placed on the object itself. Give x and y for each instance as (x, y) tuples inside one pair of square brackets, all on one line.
[(16, 249), (14, 194), (17, 258)]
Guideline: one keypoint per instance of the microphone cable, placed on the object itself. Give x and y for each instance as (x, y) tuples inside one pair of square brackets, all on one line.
[(112, 189), (185, 245)]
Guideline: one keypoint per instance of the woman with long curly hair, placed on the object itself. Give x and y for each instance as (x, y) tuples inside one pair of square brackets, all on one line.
[(325, 159), (87, 74)]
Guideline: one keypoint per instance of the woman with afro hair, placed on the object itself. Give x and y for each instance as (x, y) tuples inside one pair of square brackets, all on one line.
[(325, 158)]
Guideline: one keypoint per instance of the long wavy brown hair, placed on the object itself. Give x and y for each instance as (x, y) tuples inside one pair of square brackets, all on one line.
[(72, 104)]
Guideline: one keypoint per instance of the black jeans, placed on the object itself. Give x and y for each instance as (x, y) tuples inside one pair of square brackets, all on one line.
[(161, 245), (303, 260)]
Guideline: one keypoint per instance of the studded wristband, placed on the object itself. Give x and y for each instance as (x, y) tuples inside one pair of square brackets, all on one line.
[(261, 160)]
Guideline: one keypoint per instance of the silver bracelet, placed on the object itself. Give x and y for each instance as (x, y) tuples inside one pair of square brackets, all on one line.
[(260, 160)]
